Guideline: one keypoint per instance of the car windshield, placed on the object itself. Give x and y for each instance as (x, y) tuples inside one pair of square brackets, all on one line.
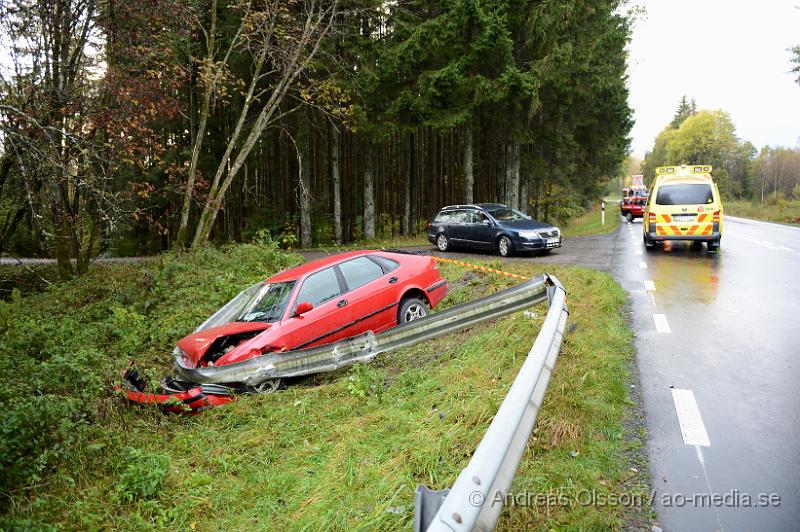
[(508, 215), (260, 302), (684, 194)]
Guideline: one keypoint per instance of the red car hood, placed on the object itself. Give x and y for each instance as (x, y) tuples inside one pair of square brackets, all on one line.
[(195, 345)]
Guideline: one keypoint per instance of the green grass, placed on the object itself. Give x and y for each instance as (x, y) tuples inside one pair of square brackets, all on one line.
[(780, 211), (332, 452), (378, 243), (591, 222)]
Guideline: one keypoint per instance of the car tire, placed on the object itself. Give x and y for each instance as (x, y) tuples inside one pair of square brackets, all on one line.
[(504, 246), (648, 245), (411, 308), (713, 246), (629, 217), (442, 242)]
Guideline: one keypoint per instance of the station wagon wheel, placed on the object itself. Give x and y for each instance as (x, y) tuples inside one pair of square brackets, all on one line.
[(504, 246), (629, 217), (270, 386), (411, 309), (442, 243)]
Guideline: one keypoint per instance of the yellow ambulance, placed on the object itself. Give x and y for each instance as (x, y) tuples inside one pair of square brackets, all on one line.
[(684, 204)]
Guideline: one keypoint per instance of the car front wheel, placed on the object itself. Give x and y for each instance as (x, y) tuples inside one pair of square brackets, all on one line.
[(629, 217), (504, 246), (411, 309), (442, 243)]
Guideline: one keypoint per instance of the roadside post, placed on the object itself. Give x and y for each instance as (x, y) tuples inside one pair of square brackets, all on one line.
[(602, 213)]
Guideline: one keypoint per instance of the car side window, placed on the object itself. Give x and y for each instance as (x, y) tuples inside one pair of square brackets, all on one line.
[(319, 288), (443, 217), (460, 217), (360, 271), (477, 217), (388, 265)]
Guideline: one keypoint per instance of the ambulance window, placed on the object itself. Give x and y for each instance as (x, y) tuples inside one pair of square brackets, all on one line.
[(684, 194)]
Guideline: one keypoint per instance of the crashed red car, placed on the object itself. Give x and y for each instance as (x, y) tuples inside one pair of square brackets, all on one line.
[(317, 303)]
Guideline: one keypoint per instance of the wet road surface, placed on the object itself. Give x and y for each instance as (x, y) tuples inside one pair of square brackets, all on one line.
[(718, 341)]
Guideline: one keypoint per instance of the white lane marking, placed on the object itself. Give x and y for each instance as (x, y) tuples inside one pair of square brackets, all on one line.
[(653, 299), (662, 325), (638, 251), (785, 248), (692, 428), (700, 458), (643, 265), (649, 285)]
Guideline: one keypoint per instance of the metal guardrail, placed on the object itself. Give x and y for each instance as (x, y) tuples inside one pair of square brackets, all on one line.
[(478, 494), (366, 346)]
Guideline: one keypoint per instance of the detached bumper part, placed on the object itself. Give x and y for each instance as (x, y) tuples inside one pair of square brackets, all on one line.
[(190, 401)]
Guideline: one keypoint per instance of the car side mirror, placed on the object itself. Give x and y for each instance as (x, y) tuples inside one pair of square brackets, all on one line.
[(302, 308)]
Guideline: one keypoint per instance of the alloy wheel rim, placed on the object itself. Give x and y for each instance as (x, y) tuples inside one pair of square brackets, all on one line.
[(503, 246), (415, 312), (442, 242)]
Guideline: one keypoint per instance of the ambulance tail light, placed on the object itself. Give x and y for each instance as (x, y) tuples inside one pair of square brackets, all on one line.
[(715, 217), (652, 217)]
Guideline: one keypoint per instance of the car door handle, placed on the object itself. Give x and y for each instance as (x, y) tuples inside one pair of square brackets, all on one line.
[(393, 280), (341, 303)]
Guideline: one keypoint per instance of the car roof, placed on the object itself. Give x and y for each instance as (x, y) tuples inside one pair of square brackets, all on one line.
[(476, 206), (292, 274)]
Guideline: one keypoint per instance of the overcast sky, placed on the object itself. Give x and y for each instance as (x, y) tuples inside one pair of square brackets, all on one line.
[(725, 54)]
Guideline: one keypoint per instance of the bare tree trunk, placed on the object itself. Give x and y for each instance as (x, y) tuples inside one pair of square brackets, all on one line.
[(337, 186), (409, 160), (369, 194), (469, 176), (209, 82), (512, 176), (304, 185)]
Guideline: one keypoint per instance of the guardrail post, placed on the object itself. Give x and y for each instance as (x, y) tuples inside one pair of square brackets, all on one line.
[(426, 504)]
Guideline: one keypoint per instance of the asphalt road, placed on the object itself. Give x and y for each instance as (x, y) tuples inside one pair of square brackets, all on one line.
[(717, 336), (591, 251)]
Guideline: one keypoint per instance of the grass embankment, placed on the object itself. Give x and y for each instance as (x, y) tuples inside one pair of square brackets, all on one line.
[(782, 211), (591, 222), (340, 451)]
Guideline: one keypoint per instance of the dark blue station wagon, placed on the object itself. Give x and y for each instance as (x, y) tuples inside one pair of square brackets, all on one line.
[(491, 226)]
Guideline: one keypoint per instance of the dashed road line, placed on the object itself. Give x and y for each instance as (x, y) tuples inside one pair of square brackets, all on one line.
[(693, 430), (649, 285), (642, 264), (662, 325)]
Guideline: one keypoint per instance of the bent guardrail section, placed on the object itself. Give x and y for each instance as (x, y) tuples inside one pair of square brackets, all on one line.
[(366, 346), (477, 496)]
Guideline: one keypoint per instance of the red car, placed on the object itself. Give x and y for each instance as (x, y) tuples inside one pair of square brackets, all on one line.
[(632, 207), (317, 303)]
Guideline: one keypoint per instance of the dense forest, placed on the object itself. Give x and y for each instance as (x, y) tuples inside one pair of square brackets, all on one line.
[(133, 127)]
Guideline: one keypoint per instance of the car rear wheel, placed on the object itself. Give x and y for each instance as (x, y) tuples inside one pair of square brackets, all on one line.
[(411, 309), (504, 246), (629, 217), (647, 243), (713, 246), (442, 243)]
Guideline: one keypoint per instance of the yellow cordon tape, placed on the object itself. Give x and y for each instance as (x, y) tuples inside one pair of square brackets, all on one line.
[(481, 268)]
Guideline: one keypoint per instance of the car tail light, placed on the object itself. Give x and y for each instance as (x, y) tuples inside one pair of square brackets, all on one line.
[(652, 217), (715, 217), (430, 224)]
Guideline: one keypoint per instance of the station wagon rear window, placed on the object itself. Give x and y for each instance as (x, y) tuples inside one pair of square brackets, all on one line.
[(684, 194)]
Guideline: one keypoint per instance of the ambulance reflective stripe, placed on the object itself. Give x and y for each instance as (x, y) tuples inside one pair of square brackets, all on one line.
[(665, 218), (702, 218)]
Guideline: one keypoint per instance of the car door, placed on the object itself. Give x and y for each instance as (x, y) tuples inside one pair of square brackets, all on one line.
[(478, 231), (457, 229), (373, 293), (325, 322)]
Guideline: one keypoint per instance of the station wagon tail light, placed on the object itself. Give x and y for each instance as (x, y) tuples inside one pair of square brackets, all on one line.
[(715, 217)]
